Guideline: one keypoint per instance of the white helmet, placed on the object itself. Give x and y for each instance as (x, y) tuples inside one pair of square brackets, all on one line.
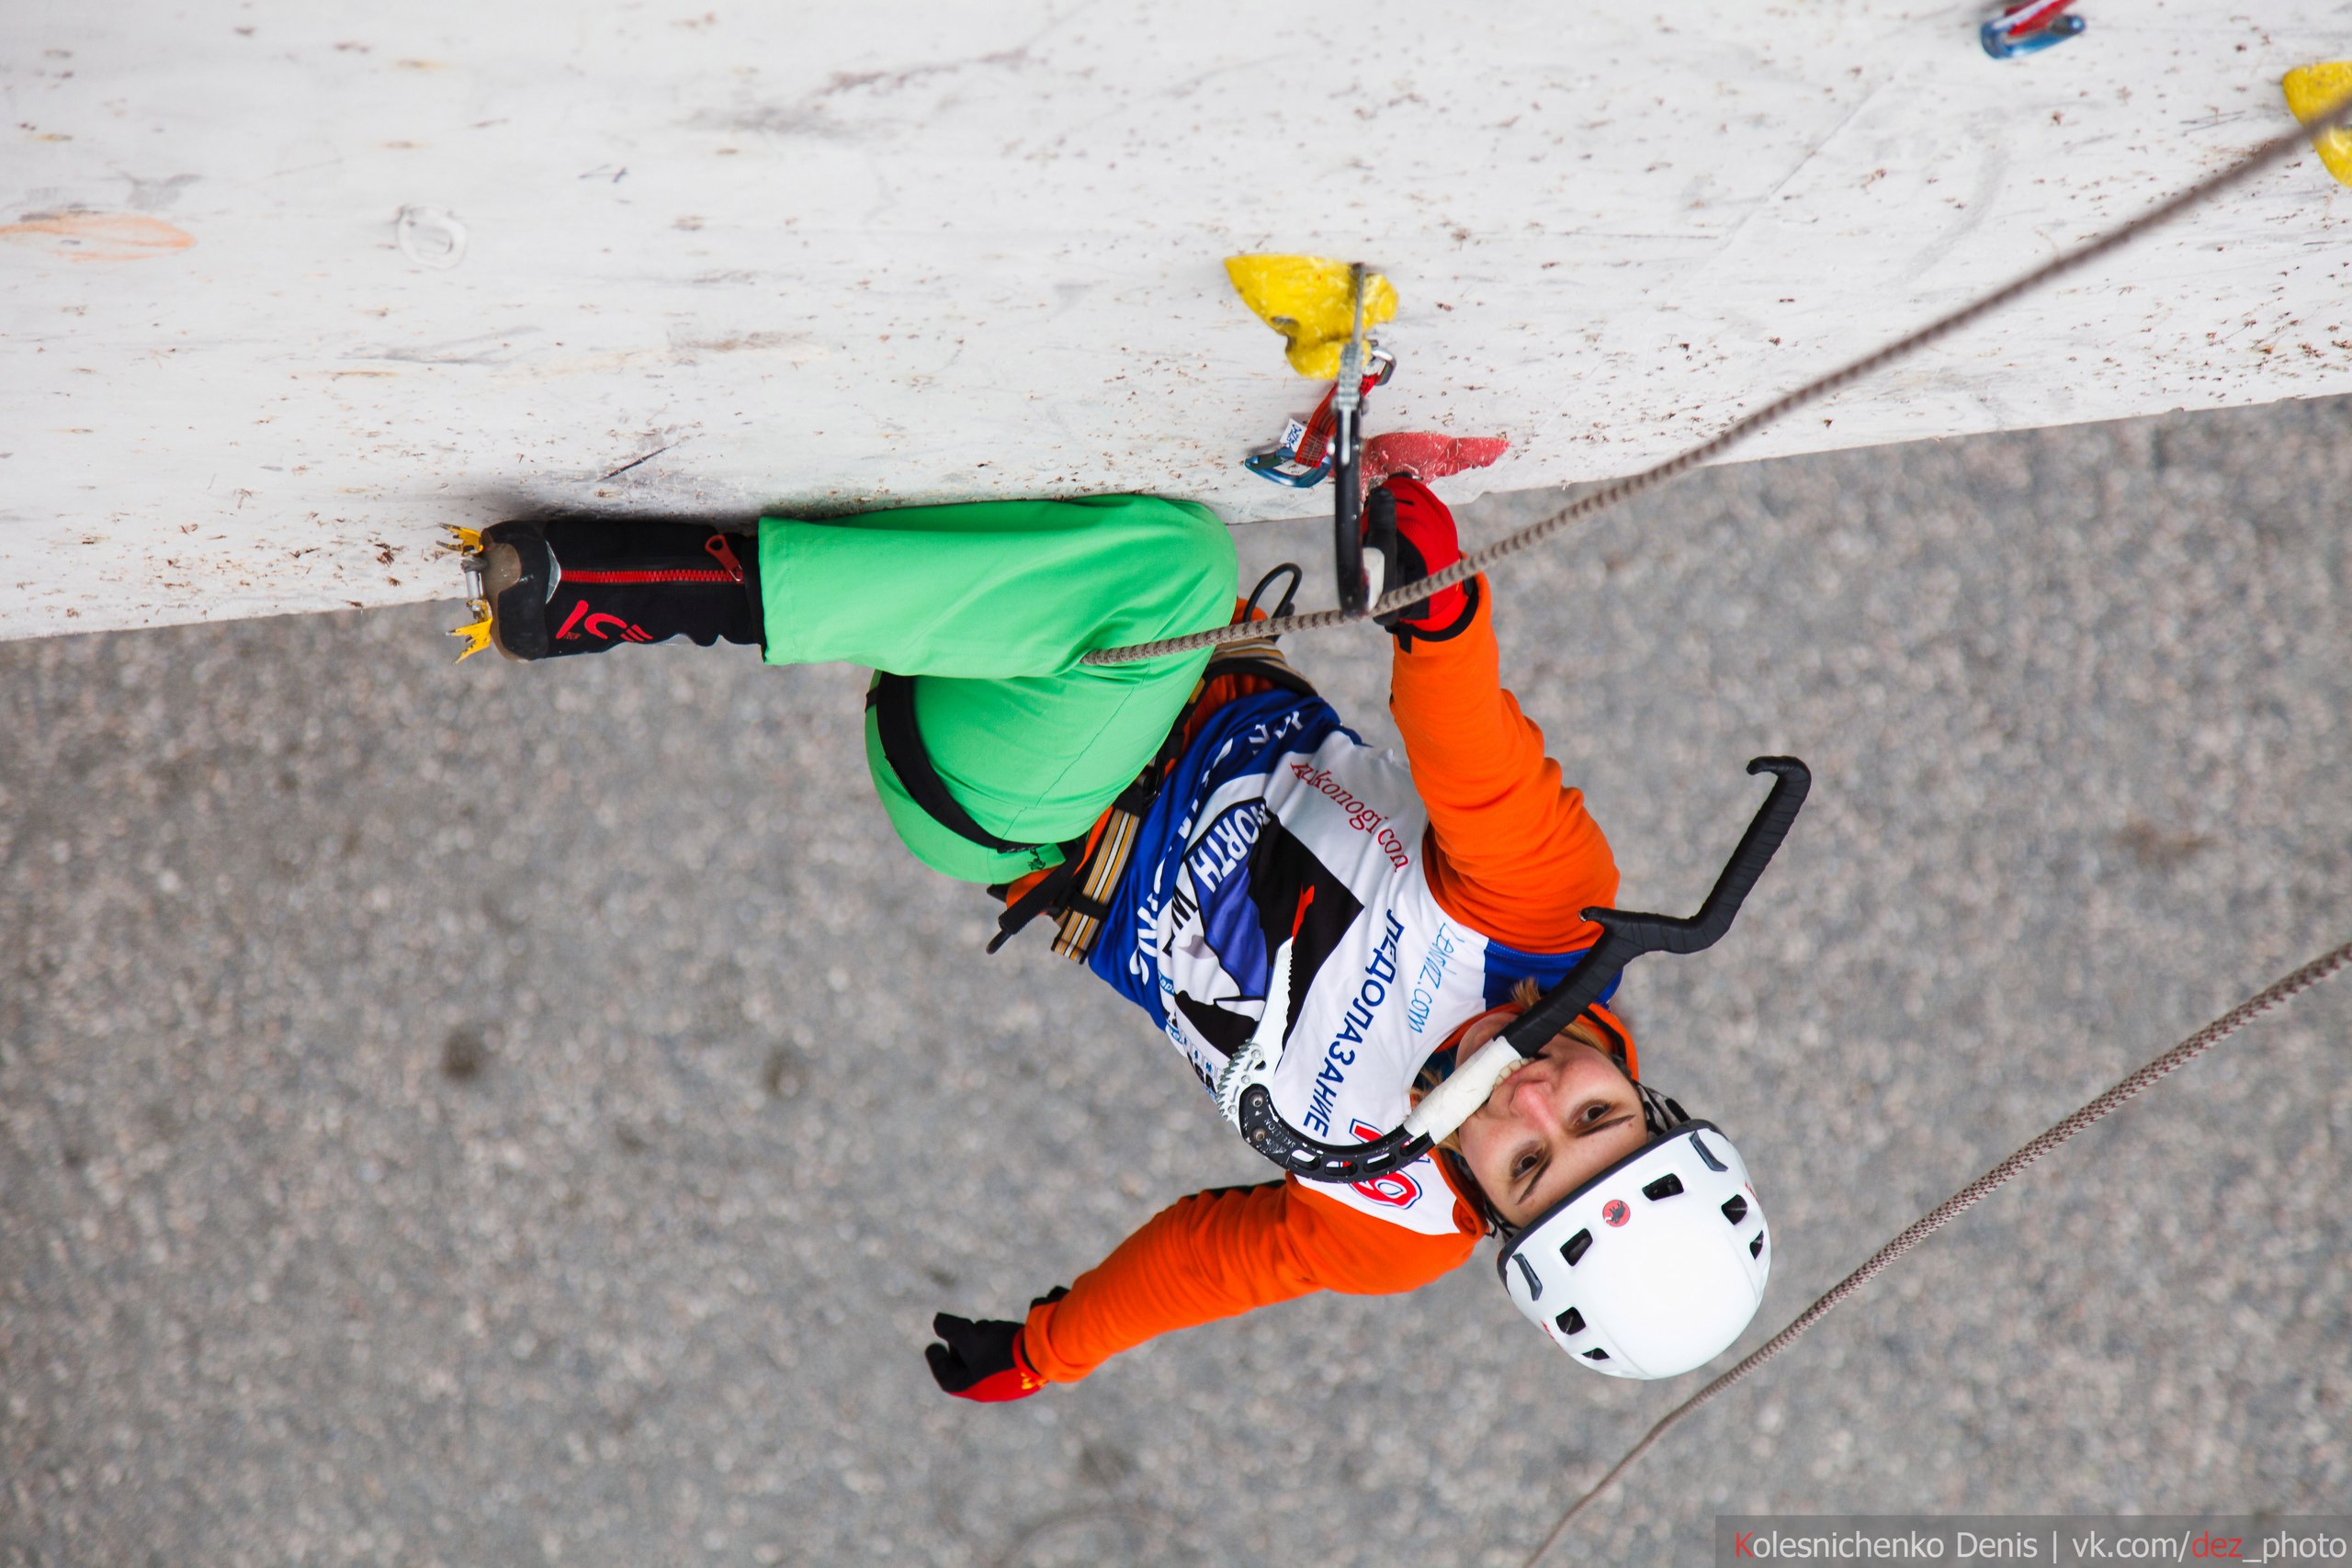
[(1655, 1266)]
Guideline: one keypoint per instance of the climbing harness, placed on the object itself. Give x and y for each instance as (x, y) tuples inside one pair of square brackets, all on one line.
[(2281, 990), (1078, 905), (1620, 491), (1625, 936), (1076, 892), (892, 700)]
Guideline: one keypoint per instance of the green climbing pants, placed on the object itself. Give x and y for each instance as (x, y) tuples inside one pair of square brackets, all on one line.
[(990, 606)]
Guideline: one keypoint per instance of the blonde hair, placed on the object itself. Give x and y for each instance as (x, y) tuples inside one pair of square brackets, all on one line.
[(1527, 993)]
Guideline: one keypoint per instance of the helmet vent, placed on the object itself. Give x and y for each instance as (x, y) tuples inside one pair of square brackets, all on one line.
[(1571, 1322), (1527, 1272), (1705, 1153), (1755, 1247), (1735, 1208), (1596, 1354), (1666, 1185), (1576, 1246)]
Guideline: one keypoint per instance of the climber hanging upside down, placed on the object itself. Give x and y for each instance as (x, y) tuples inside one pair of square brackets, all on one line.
[(1181, 819)]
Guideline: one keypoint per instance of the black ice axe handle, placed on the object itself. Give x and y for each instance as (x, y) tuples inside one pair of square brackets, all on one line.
[(1347, 453), (1625, 936), (1347, 511)]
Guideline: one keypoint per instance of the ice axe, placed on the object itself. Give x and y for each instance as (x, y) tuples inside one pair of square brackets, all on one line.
[(1347, 460), (1245, 1093)]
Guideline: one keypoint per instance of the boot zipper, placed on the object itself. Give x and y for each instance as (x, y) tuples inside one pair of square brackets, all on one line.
[(729, 570), (724, 553), (675, 574)]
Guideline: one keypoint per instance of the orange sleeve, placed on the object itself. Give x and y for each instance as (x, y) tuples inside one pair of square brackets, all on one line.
[(1511, 851), (1220, 1253)]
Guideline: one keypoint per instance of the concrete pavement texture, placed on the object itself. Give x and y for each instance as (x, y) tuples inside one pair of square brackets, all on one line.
[(501, 1114)]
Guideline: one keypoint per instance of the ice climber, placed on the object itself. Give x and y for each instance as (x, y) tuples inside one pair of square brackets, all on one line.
[(1179, 818)]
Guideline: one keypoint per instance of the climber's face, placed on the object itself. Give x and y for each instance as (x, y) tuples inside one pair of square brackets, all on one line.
[(1551, 1124)]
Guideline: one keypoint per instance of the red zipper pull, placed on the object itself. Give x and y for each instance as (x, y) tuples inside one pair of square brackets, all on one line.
[(724, 553)]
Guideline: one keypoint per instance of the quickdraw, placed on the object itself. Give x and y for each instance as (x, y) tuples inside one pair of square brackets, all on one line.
[(1301, 457), (2029, 28)]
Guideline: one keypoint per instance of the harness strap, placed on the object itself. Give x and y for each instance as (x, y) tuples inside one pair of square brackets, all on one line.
[(1078, 892), (892, 698), (1079, 922), (1050, 892), (1079, 917)]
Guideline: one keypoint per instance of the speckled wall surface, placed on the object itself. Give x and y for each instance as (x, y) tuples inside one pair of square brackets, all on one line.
[(287, 287)]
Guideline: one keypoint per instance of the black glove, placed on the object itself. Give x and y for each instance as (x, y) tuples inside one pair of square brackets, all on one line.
[(984, 1361)]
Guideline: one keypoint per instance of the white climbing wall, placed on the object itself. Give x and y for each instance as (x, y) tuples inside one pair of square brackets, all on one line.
[(285, 287)]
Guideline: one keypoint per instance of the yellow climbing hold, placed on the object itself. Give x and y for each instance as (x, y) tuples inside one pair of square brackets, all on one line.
[(1310, 301), (2313, 92)]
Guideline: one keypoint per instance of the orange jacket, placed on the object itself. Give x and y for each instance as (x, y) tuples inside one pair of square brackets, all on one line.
[(1511, 852)]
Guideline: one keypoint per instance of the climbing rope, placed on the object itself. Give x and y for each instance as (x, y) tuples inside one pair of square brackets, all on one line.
[(2220, 1029), (1620, 491)]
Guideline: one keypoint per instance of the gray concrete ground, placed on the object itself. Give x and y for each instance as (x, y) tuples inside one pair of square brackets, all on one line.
[(502, 1115)]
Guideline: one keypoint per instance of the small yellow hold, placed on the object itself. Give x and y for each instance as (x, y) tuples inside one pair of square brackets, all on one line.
[(1310, 301), (477, 636), (2313, 92)]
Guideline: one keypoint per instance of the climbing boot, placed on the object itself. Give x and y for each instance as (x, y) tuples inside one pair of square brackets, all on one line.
[(582, 585)]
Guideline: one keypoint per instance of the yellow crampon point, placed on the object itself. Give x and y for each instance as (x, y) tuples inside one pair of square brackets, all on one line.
[(466, 547), (1308, 300), (2313, 91)]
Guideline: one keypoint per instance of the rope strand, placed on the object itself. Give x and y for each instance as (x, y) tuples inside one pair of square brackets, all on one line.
[(2222, 1027), (1618, 491)]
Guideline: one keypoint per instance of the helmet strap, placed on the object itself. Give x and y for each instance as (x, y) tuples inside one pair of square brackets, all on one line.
[(1467, 1186), (1662, 1113)]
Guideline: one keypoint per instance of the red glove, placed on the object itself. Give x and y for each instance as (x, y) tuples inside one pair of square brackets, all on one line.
[(1425, 544), (983, 1361)]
